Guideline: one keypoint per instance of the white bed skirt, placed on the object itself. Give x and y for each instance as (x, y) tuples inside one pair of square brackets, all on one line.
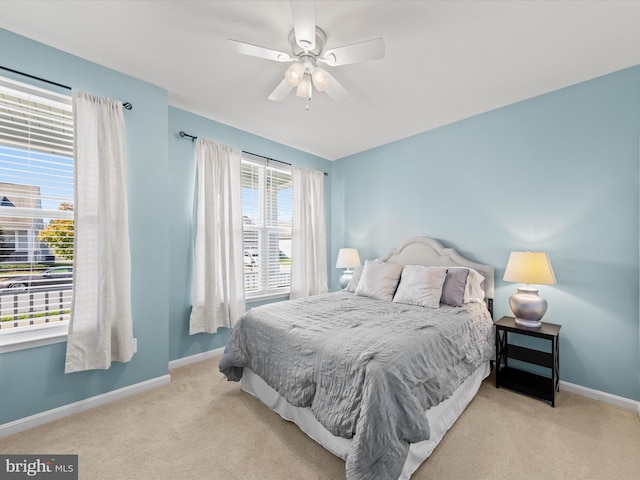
[(441, 417)]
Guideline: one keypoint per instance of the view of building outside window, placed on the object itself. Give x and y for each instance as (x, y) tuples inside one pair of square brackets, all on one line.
[(36, 206)]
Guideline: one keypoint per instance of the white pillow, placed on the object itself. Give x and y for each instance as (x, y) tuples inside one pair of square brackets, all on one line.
[(421, 286), (473, 292), (379, 280)]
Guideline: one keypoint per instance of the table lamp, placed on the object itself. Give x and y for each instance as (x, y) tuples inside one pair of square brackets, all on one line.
[(529, 268), (348, 259)]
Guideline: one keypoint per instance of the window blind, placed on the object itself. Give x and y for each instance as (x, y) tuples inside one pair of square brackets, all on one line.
[(267, 215), (36, 205)]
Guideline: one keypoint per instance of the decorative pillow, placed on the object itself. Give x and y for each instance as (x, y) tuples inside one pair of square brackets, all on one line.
[(355, 278), (454, 285), (379, 280), (473, 292), (420, 286)]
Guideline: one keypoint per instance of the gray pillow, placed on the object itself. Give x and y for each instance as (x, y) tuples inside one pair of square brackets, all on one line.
[(453, 288), (473, 291), (379, 280)]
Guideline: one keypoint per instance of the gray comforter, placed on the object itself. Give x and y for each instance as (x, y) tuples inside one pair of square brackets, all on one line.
[(368, 369)]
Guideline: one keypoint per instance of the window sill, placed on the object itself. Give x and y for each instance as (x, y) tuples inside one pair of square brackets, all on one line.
[(267, 296), (22, 338)]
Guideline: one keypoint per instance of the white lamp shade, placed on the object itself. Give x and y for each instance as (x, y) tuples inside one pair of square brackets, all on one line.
[(530, 268), (321, 79), (294, 74), (348, 258), (304, 87)]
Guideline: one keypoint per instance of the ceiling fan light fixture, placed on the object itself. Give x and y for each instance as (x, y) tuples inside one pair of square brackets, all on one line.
[(304, 87), (321, 79), (294, 74), (307, 42)]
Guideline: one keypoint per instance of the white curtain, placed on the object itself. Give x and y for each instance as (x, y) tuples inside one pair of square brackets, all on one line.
[(308, 234), (101, 327), (218, 281)]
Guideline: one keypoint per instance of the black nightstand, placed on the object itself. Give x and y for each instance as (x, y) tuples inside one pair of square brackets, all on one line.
[(520, 380)]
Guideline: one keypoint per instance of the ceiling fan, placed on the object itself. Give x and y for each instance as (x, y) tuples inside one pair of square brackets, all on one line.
[(307, 47)]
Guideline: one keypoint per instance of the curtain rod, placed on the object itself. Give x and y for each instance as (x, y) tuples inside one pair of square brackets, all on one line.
[(126, 105), (193, 138)]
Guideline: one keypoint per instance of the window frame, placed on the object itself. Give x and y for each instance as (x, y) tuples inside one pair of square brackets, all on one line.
[(263, 230), (30, 336)]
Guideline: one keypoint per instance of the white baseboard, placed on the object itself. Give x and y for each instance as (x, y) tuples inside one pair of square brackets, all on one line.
[(26, 423), (198, 357), (602, 396), (38, 419)]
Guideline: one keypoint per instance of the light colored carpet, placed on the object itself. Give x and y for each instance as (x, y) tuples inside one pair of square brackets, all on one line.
[(202, 427)]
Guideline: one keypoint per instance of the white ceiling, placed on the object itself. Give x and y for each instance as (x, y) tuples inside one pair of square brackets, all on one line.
[(445, 60)]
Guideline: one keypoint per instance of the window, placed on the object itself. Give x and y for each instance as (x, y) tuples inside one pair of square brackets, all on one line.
[(36, 208), (267, 215)]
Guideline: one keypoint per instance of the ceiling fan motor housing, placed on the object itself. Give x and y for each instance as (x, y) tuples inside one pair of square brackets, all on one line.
[(321, 40)]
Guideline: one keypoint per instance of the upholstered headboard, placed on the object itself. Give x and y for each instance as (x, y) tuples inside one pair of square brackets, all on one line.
[(430, 252)]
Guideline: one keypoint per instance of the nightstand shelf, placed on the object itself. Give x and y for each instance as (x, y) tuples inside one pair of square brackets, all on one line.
[(525, 382)]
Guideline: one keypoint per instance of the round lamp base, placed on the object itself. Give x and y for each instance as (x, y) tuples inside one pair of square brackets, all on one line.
[(528, 307), (345, 278), (529, 323)]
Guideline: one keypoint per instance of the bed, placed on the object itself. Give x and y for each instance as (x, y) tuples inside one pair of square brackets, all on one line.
[(376, 373)]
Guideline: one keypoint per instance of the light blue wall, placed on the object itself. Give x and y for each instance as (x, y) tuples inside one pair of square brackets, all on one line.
[(182, 170), (32, 381), (558, 173)]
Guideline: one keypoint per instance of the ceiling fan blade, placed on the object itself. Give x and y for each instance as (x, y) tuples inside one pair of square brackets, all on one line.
[(256, 51), (281, 91), (335, 90), (357, 52), (304, 23)]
